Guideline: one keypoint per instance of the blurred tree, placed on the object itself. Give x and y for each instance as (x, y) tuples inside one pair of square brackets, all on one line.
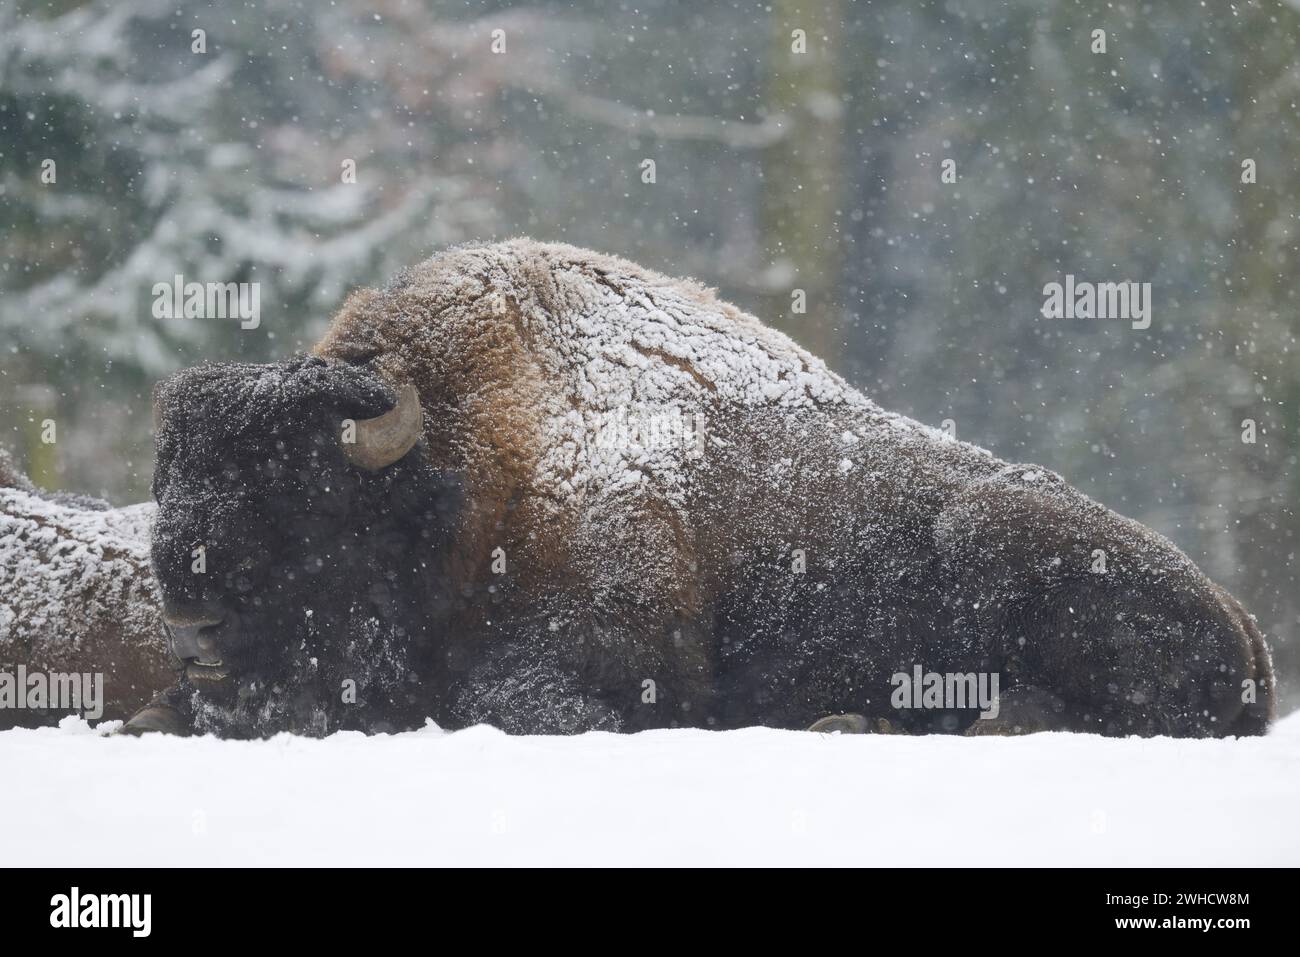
[(802, 172)]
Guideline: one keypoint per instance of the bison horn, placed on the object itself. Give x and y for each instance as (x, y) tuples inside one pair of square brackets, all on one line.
[(383, 440)]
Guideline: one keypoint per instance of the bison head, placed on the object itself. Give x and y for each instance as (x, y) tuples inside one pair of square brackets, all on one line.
[(299, 546)]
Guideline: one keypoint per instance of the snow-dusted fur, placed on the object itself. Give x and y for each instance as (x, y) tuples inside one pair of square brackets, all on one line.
[(669, 514), (77, 595)]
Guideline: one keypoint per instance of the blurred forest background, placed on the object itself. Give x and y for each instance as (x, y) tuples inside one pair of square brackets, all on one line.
[(775, 169)]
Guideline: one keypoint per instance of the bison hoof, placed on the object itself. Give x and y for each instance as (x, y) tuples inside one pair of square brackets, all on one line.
[(159, 718), (1025, 710), (851, 724)]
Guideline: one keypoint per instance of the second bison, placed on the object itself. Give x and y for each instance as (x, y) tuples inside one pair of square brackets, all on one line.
[(538, 487)]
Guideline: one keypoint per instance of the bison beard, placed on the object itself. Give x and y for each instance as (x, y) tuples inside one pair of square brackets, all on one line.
[(523, 567)]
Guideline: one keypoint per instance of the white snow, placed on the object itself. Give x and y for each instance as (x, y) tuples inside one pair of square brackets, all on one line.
[(757, 796)]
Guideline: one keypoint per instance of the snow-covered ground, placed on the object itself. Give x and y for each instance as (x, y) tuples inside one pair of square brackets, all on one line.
[(72, 797)]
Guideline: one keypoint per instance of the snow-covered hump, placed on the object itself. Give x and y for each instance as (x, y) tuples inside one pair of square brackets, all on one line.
[(650, 366), (644, 375)]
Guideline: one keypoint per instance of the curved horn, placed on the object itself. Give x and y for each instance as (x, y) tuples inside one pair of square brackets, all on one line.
[(383, 440)]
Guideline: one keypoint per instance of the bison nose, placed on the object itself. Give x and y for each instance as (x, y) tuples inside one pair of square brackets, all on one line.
[(194, 635)]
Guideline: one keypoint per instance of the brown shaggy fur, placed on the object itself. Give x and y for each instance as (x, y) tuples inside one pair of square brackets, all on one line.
[(77, 596)]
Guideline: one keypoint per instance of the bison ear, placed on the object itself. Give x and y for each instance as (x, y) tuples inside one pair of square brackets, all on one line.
[(162, 454), (157, 408), (165, 400), (381, 441)]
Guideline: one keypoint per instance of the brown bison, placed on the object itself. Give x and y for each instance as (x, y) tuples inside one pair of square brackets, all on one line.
[(76, 598), (546, 489)]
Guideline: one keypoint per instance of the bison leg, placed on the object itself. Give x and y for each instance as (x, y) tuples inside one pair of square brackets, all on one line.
[(163, 715), (1137, 659), (522, 690), (1105, 613)]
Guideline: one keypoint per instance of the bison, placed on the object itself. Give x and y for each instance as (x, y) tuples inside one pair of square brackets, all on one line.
[(543, 488), (76, 597)]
